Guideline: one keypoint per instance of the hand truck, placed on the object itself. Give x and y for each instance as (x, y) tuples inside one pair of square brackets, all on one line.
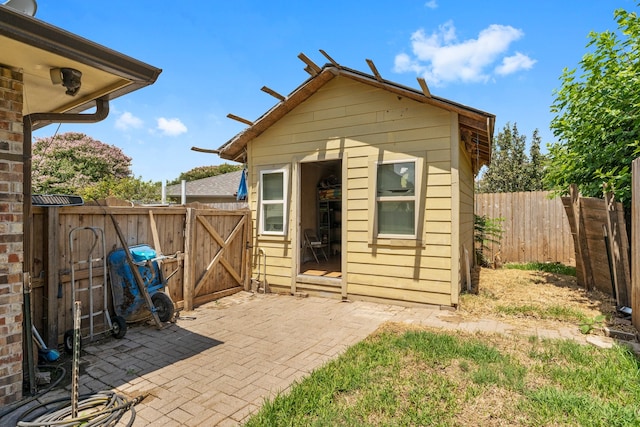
[(95, 293)]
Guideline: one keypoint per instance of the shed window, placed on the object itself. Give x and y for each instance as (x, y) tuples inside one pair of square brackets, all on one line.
[(272, 202), (396, 199)]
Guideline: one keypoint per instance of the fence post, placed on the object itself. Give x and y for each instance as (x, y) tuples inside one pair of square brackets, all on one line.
[(246, 252), (635, 239), (52, 236), (582, 248), (189, 259), (617, 250)]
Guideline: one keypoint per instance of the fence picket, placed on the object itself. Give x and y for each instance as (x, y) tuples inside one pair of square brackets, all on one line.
[(536, 228)]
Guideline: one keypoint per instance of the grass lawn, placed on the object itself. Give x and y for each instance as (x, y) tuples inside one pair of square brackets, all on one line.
[(405, 375), (423, 378), (549, 267)]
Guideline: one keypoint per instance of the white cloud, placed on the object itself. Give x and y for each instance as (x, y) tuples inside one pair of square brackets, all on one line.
[(404, 63), (440, 58), (515, 63), (171, 127), (431, 4), (128, 121)]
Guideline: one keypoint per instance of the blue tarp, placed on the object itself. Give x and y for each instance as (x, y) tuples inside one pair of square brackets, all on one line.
[(242, 188)]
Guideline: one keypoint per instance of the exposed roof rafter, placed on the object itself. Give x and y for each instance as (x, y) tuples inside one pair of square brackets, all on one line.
[(273, 93), (311, 67), (374, 70), (240, 119), (326, 55), (423, 85), (205, 150)]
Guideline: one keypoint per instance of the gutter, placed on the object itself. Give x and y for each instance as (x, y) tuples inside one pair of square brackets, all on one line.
[(34, 32), (29, 121), (39, 34)]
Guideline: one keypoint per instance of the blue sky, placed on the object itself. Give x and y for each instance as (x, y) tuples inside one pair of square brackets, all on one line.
[(503, 57)]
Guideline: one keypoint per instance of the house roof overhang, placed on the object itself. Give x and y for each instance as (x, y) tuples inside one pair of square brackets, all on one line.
[(475, 126), (35, 47)]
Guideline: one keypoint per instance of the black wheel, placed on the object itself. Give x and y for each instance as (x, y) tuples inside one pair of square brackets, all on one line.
[(68, 341), (164, 306), (118, 327)]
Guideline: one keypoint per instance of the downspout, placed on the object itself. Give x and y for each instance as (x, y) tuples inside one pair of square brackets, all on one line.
[(101, 113)]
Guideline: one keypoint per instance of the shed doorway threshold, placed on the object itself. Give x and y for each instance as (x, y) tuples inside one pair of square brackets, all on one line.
[(327, 269)]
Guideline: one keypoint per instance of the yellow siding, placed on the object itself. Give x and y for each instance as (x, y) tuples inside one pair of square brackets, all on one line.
[(430, 250), (405, 295), (389, 261), (366, 122), (399, 284), (455, 211)]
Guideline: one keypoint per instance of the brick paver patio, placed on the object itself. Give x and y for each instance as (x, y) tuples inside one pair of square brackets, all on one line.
[(217, 364)]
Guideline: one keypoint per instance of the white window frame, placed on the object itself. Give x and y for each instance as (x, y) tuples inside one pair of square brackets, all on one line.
[(403, 198), (263, 203)]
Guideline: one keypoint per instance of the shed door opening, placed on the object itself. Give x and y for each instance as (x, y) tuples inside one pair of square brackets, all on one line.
[(321, 219)]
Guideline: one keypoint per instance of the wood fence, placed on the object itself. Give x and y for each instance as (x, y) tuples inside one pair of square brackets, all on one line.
[(602, 247), (210, 247), (536, 228)]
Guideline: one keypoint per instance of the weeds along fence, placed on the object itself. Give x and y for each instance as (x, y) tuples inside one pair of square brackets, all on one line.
[(209, 247), (536, 228)]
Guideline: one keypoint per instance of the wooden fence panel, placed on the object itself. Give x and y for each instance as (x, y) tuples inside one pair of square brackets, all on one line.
[(536, 228), (217, 254), (596, 222), (52, 295)]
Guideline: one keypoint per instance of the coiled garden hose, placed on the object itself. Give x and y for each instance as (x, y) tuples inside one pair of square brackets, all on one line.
[(14, 407), (104, 408)]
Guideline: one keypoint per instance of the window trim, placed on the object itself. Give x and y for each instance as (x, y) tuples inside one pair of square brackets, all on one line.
[(402, 198), (420, 161), (284, 202)]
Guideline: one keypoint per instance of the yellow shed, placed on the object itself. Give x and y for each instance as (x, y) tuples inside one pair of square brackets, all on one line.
[(361, 188)]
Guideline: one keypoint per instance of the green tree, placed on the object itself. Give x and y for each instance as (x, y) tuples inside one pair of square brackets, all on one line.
[(597, 117), (129, 188), (66, 163), (511, 169), (74, 163), (205, 172), (536, 166)]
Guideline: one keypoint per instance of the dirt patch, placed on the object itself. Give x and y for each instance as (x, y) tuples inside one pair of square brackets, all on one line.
[(535, 298)]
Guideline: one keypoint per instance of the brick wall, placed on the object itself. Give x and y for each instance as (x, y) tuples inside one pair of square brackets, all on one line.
[(11, 236)]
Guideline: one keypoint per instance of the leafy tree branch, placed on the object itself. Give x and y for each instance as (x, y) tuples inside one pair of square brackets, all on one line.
[(597, 119)]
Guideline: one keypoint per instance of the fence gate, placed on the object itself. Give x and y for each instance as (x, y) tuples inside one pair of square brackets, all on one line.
[(216, 255)]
